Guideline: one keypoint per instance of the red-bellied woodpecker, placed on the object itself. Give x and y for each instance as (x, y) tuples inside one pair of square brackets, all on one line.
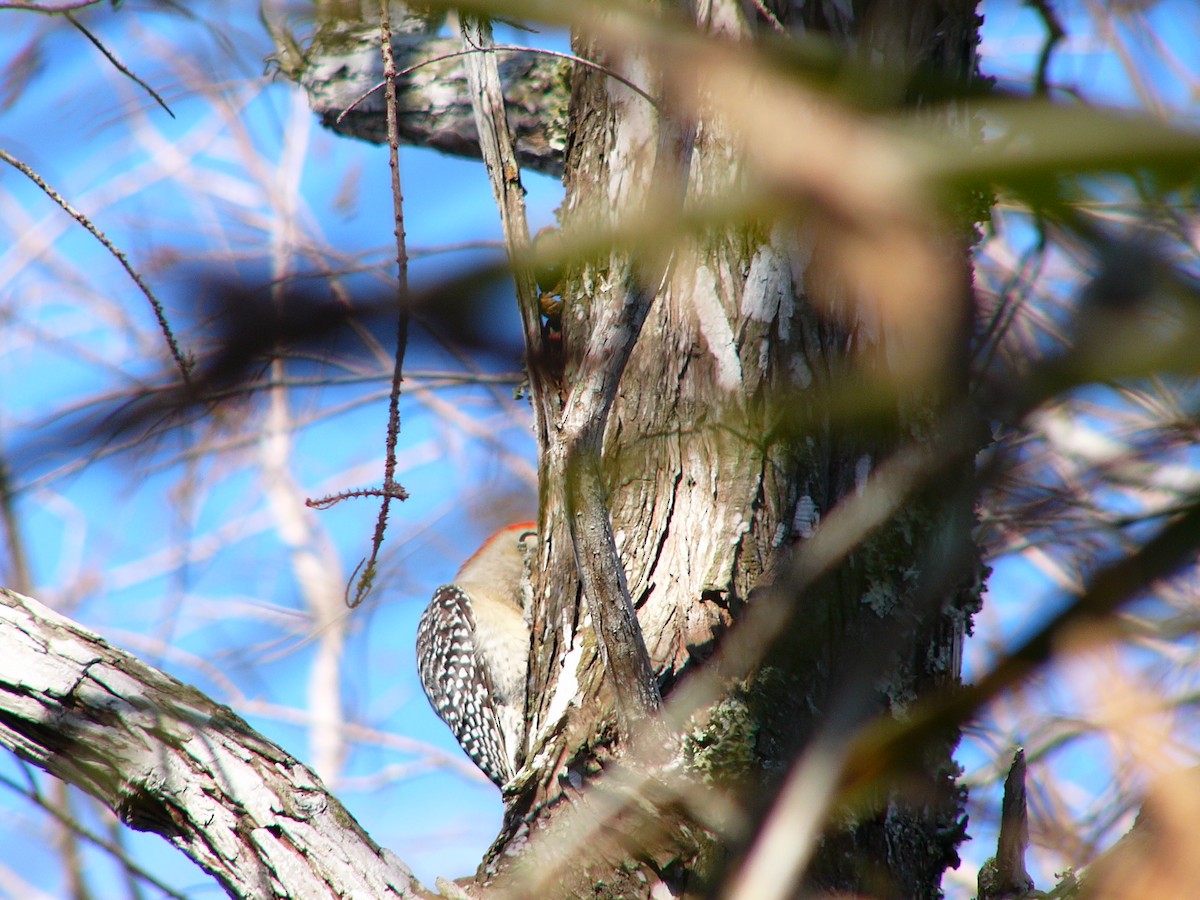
[(473, 653)]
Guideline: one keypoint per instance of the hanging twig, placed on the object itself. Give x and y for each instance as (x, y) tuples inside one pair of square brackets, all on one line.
[(1054, 33), (120, 67), (391, 490)]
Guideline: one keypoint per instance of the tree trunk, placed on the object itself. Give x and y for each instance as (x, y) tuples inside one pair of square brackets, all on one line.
[(720, 456), (689, 424)]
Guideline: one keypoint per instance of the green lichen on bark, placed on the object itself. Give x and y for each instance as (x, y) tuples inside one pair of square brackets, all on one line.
[(721, 749), (889, 559)]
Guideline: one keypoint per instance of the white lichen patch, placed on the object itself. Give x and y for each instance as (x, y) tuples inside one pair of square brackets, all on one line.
[(715, 327), (26, 663), (799, 371), (568, 684), (635, 135), (862, 473), (806, 517), (767, 282)]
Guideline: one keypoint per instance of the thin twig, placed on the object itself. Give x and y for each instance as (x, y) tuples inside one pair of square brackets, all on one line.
[(20, 577), (356, 494), (184, 365), (67, 844), (508, 48), (112, 849), (391, 490), (120, 67)]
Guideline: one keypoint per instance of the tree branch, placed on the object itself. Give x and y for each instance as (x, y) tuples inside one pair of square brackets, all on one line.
[(498, 148), (342, 63), (167, 759), (622, 647)]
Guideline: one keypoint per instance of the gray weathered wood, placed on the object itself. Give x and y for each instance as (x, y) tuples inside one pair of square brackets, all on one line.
[(167, 759), (341, 63)]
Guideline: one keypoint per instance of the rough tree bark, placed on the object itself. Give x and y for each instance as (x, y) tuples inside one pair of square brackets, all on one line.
[(168, 760), (719, 458), (711, 483), (340, 64)]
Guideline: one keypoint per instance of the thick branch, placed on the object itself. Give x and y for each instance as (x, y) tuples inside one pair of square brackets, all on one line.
[(167, 759), (498, 146), (342, 63), (614, 333)]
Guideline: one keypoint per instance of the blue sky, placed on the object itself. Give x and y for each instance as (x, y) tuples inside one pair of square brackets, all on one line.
[(208, 187)]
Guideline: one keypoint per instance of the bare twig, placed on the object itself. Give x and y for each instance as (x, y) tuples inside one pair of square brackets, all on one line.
[(334, 499), (184, 365), (500, 159), (108, 847), (19, 577), (66, 841), (391, 490), (582, 426), (318, 578), (622, 646), (120, 67)]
